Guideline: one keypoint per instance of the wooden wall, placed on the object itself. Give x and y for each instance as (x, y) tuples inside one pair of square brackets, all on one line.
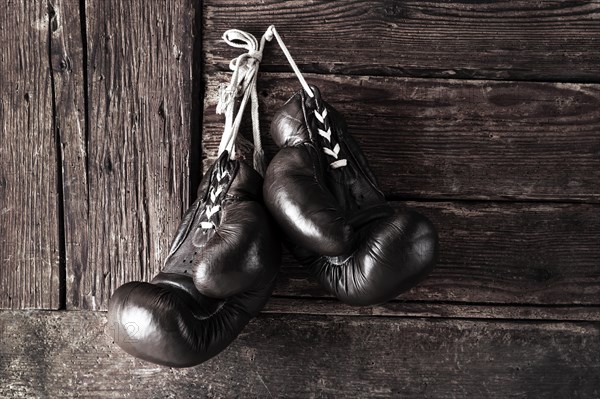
[(485, 116)]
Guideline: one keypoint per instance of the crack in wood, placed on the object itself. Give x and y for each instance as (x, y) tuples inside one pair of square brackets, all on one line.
[(62, 268)]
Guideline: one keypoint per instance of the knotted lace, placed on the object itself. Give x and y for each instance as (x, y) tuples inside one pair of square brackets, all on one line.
[(242, 85)]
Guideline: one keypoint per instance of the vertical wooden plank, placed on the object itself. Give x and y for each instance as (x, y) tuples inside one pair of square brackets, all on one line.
[(68, 73), (139, 94), (29, 249)]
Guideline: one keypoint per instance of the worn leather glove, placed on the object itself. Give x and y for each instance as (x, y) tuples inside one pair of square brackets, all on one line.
[(219, 274), (320, 190)]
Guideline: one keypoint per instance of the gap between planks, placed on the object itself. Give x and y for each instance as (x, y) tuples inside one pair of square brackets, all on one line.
[(426, 309)]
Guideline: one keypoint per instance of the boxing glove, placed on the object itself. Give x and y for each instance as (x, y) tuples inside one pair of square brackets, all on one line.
[(320, 190), (218, 275)]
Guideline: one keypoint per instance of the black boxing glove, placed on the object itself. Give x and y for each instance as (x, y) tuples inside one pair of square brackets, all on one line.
[(320, 190), (219, 274)]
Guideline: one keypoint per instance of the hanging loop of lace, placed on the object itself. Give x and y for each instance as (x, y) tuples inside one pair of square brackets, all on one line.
[(331, 149), (272, 32), (241, 88)]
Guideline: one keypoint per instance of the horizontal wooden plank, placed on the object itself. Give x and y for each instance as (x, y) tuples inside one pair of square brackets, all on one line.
[(139, 63), (29, 221), (56, 354), (449, 139), (548, 40), (498, 253)]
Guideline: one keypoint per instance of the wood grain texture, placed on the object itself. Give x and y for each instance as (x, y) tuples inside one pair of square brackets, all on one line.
[(29, 242), (405, 308), (65, 354), (498, 253), (67, 63), (516, 40), (451, 139), (140, 94)]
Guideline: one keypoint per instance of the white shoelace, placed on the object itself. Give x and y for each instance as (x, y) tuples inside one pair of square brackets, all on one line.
[(272, 32), (324, 130), (242, 84), (211, 208)]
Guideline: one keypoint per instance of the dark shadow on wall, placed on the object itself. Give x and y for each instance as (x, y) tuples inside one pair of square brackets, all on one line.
[(197, 106)]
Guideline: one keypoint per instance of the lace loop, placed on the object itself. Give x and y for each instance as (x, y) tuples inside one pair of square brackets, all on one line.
[(272, 32), (242, 85)]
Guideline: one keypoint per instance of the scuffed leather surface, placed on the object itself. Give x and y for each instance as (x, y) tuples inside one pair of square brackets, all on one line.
[(213, 282), (337, 221)]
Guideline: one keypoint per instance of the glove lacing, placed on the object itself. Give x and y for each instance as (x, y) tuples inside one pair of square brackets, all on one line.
[(324, 129), (212, 205), (242, 84)]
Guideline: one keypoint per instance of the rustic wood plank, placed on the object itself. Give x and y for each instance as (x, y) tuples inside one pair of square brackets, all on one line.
[(140, 95), (549, 40), (55, 354), (67, 60), (29, 238), (429, 138), (403, 308), (498, 253)]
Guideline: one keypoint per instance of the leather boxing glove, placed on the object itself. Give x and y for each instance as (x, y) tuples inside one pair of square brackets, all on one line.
[(218, 275), (320, 190)]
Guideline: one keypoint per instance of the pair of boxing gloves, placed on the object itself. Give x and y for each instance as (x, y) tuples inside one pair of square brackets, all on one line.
[(221, 269)]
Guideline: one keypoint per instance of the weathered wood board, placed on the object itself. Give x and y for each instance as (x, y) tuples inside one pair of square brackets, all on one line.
[(67, 63), (65, 354), (498, 253), (453, 139), (139, 89), (515, 40), (535, 254), (29, 221), (482, 115)]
